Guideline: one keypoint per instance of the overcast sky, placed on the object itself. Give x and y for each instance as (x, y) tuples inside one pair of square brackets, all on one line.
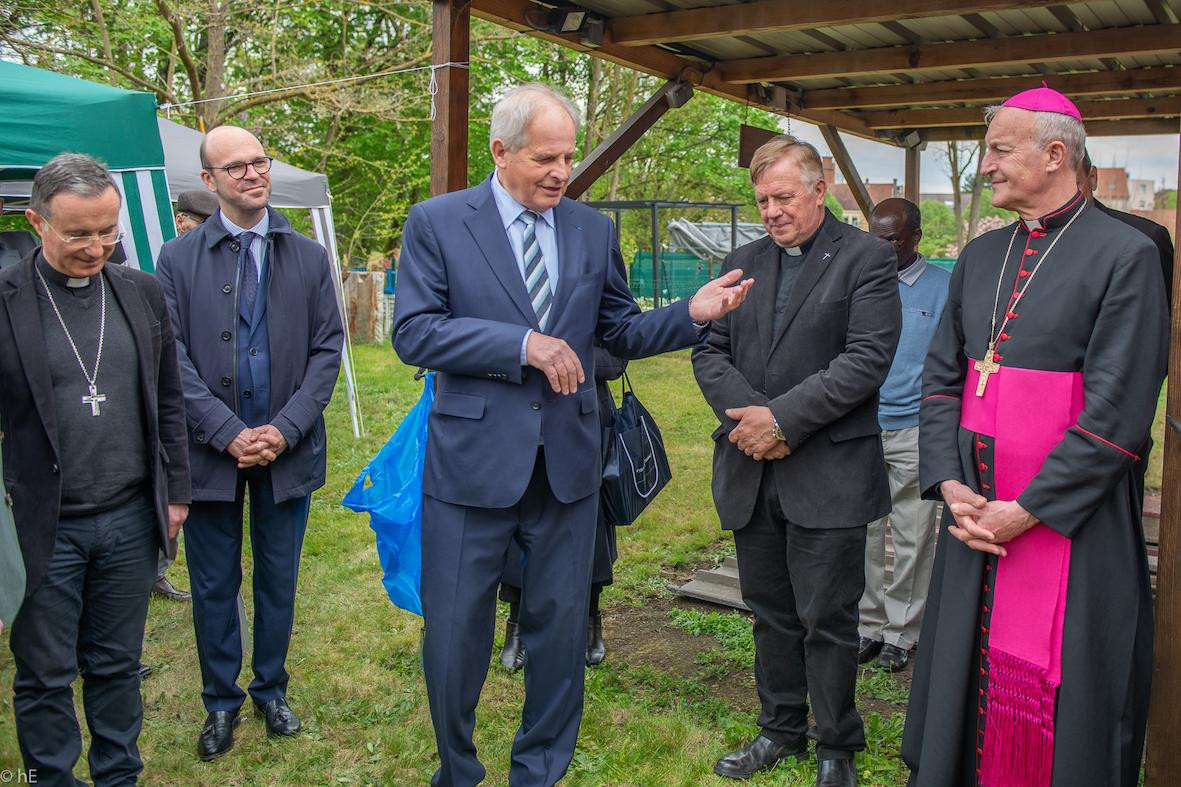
[(1152, 157)]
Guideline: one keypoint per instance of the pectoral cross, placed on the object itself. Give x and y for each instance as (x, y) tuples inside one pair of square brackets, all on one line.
[(94, 400), (985, 367)]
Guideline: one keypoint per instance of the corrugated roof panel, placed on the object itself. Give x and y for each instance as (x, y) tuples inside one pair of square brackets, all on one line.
[(791, 42), (1095, 17), (842, 34), (1011, 23), (1136, 12), (624, 7), (944, 28), (869, 36), (727, 48), (1110, 14)]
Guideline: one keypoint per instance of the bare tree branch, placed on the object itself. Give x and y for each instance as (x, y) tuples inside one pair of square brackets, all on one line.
[(182, 48), (20, 44)]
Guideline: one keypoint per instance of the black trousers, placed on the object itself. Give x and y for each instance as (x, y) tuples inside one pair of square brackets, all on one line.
[(463, 554), (803, 585), (86, 617)]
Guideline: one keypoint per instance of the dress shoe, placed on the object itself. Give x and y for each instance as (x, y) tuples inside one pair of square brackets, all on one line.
[(281, 720), (596, 648), (144, 671), (217, 736), (164, 589), (867, 648), (836, 773), (893, 658), (761, 754), (512, 655)]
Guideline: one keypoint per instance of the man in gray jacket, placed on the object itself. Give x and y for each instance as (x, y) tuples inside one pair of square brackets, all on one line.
[(259, 338)]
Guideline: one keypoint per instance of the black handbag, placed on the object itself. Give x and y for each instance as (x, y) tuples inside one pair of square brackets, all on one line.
[(635, 465)]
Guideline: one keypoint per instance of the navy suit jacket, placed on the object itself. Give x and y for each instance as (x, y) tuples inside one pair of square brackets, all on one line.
[(462, 309), (298, 354)]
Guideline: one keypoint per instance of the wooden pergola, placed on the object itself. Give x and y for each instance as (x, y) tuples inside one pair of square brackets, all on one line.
[(901, 72)]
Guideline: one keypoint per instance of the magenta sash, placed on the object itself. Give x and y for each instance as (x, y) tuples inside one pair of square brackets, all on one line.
[(1026, 412)]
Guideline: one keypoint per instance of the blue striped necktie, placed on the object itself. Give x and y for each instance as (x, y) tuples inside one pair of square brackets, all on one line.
[(536, 277)]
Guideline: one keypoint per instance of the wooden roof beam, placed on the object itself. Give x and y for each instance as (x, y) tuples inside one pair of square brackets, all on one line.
[(1109, 42), (1095, 128), (993, 89), (662, 63), (671, 95), (836, 146), (771, 16), (974, 116)]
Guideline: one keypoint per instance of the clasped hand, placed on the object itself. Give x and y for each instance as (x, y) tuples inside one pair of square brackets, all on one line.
[(984, 525), (257, 446), (754, 434)]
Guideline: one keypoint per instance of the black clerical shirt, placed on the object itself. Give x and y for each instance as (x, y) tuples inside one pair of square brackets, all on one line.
[(103, 458)]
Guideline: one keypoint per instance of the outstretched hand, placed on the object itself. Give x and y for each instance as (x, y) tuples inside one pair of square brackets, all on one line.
[(719, 297)]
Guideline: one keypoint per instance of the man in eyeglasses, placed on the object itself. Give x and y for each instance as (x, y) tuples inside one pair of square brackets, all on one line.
[(254, 310), (96, 469)]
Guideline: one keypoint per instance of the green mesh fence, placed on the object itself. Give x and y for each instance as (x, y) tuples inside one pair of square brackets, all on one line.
[(681, 274)]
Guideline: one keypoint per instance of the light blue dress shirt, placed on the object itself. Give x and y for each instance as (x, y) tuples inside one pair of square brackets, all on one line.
[(547, 238), (258, 243)]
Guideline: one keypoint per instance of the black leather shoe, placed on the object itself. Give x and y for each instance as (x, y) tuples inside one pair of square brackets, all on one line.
[(165, 589), (867, 648), (217, 736), (596, 648), (281, 720), (512, 655), (893, 658), (836, 773), (761, 754)]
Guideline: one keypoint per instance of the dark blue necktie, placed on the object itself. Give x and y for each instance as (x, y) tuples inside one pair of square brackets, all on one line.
[(249, 271)]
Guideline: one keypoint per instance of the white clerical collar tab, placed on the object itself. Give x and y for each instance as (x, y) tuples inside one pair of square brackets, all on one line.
[(794, 251), (1032, 224), (76, 282)]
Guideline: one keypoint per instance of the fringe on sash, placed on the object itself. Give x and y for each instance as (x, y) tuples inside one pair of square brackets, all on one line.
[(1018, 746)]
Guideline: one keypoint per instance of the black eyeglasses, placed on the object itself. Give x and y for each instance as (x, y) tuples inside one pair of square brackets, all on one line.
[(237, 170)]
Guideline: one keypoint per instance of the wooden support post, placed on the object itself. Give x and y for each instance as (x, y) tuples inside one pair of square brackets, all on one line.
[(670, 96), (836, 146), (1164, 717), (911, 188), (450, 43)]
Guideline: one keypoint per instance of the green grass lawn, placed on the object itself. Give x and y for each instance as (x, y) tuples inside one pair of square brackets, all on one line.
[(355, 674)]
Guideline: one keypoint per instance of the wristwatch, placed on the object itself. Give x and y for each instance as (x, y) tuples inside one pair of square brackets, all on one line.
[(776, 431)]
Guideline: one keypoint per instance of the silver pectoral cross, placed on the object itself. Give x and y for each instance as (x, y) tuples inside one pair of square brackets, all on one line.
[(94, 400)]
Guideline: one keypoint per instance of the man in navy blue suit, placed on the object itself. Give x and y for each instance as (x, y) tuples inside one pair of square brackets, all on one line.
[(503, 289)]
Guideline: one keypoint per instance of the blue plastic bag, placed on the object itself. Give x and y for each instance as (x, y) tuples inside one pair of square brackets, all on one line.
[(393, 500)]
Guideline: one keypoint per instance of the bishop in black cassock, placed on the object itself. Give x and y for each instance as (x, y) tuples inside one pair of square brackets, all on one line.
[(1040, 388)]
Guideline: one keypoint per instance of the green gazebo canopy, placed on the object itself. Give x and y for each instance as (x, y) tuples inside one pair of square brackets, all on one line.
[(45, 113)]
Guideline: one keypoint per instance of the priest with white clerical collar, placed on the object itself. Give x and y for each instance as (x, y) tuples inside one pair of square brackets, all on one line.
[(1039, 392), (96, 471)]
